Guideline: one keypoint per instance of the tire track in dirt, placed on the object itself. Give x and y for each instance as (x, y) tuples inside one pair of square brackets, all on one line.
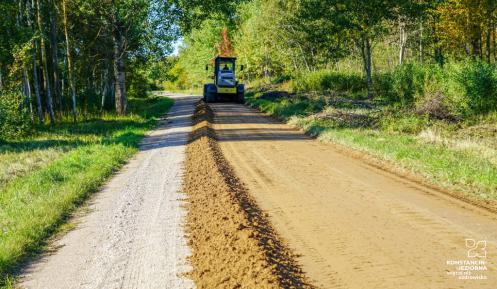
[(233, 244), (353, 226)]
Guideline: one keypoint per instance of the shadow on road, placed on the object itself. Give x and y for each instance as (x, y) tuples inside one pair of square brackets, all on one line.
[(173, 129)]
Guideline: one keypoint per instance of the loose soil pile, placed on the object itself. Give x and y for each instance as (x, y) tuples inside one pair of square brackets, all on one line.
[(233, 243)]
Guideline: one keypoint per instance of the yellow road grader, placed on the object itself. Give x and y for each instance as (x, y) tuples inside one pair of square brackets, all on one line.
[(226, 86)]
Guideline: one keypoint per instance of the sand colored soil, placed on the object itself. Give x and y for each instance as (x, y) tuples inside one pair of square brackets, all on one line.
[(233, 244), (354, 225)]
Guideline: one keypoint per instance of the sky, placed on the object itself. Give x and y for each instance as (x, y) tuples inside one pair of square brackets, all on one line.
[(176, 45)]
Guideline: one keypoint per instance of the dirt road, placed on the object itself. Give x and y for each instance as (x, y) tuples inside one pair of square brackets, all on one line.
[(353, 225), (133, 236)]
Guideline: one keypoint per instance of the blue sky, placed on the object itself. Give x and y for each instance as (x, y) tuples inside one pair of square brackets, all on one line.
[(176, 45)]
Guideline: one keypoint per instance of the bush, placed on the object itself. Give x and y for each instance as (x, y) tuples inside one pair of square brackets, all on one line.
[(408, 82), (138, 85), (479, 83), (456, 91), (325, 80), (383, 85), (14, 119), (435, 107)]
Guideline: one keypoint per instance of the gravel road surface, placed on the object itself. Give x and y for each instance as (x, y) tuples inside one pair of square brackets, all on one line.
[(133, 236)]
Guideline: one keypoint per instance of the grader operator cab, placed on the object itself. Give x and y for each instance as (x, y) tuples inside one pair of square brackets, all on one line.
[(225, 86)]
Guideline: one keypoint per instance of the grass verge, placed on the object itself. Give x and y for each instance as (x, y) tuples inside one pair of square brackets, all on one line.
[(399, 140), (34, 203)]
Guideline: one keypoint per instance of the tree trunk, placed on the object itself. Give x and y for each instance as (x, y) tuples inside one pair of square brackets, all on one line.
[(365, 46), (105, 89), (55, 56), (36, 80), (488, 46), (494, 40), (46, 76), (69, 63), (402, 41), (27, 91), (421, 41), (36, 84), (120, 72)]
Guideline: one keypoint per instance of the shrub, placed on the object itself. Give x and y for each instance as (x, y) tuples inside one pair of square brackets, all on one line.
[(408, 82), (434, 106), (383, 86), (479, 83), (14, 119), (325, 80), (138, 85)]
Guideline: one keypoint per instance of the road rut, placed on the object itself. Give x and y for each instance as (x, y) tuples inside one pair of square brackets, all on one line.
[(133, 237), (355, 226)]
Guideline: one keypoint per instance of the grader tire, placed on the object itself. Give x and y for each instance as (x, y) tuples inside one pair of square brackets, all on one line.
[(210, 97)]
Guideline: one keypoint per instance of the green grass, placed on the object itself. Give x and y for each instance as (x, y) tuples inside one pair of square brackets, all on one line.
[(396, 138), (45, 177)]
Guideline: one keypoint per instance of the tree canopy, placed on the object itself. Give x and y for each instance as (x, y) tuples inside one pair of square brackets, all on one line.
[(71, 58)]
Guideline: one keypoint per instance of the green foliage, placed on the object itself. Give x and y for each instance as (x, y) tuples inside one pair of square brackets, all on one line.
[(139, 82), (199, 50), (193, 12), (325, 81), (479, 82), (383, 85), (402, 122), (408, 83), (463, 89), (266, 40), (14, 118), (453, 92), (141, 30)]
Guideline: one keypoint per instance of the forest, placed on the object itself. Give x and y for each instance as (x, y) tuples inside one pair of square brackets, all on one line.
[(401, 51), (72, 59)]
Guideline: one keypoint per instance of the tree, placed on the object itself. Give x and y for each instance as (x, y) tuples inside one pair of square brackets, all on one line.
[(363, 22), (44, 60), (466, 27), (69, 62), (271, 41), (76, 51), (193, 12)]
